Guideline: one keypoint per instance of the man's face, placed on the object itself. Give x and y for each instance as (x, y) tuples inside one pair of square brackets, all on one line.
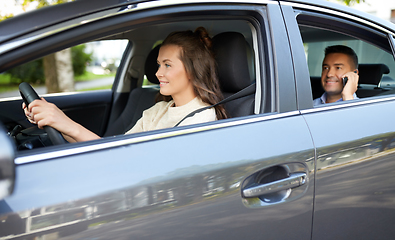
[(334, 66)]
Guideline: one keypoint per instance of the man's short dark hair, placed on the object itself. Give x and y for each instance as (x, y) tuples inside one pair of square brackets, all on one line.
[(345, 50)]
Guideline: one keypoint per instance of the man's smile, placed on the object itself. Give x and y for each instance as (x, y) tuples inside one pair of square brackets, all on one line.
[(331, 81)]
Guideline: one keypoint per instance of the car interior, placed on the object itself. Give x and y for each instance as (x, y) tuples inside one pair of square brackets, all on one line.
[(229, 45), (376, 65), (232, 42)]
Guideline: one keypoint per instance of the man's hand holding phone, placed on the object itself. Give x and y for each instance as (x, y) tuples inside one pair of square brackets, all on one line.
[(350, 85)]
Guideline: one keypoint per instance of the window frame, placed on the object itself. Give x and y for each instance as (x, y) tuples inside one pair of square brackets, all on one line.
[(346, 25), (258, 17)]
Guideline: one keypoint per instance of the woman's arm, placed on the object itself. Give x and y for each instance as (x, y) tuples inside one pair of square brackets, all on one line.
[(43, 113)]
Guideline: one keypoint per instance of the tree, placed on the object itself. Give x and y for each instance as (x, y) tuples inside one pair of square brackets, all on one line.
[(33, 72), (58, 70), (351, 2), (43, 3)]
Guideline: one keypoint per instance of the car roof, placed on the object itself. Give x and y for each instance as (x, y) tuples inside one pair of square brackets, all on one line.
[(50, 15), (346, 10)]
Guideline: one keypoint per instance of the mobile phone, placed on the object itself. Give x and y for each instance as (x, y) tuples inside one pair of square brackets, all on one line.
[(345, 79)]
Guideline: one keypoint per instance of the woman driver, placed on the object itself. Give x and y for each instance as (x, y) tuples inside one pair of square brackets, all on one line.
[(188, 81)]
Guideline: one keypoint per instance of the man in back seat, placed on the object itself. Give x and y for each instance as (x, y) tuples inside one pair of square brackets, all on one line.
[(339, 77)]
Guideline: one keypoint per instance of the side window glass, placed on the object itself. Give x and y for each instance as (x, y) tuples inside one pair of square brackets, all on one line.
[(85, 67), (376, 64)]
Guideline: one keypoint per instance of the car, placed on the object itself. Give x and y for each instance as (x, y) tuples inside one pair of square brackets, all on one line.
[(278, 168)]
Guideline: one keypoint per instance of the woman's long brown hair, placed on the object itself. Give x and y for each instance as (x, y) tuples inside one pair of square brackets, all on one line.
[(200, 65)]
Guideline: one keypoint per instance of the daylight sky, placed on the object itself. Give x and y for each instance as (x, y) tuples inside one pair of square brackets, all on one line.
[(13, 7)]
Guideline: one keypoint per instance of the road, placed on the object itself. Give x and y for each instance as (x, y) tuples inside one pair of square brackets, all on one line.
[(78, 86)]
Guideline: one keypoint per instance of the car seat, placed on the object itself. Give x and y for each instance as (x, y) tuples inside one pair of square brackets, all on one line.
[(316, 87), (235, 61), (139, 99), (370, 76)]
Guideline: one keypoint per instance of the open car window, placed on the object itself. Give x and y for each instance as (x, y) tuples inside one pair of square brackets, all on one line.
[(375, 58), (84, 67), (138, 86), (122, 64)]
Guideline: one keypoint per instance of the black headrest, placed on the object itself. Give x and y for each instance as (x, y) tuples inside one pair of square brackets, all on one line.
[(316, 87), (372, 73), (232, 56), (151, 65)]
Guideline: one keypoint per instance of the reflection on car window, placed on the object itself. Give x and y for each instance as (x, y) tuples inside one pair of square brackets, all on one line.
[(376, 65), (85, 67)]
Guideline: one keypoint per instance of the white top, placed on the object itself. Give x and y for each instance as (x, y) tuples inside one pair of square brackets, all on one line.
[(164, 115)]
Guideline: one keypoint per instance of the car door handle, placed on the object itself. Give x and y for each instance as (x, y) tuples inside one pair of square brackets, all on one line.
[(294, 180)]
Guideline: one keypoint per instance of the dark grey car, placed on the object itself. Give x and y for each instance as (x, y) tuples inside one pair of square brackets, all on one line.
[(279, 168)]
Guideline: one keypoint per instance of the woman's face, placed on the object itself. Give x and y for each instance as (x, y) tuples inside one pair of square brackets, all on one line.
[(173, 77)]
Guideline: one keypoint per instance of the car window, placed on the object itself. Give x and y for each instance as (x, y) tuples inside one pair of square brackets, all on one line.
[(124, 63), (375, 59), (85, 67)]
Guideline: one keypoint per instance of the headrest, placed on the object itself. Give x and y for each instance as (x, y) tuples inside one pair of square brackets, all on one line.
[(372, 73), (231, 52), (151, 65)]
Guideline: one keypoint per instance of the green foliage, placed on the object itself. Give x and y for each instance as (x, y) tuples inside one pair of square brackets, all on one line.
[(80, 59), (43, 3), (33, 72), (4, 17), (351, 2)]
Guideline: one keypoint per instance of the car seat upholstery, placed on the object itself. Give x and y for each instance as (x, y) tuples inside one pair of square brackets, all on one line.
[(235, 61), (316, 87), (370, 75), (139, 99)]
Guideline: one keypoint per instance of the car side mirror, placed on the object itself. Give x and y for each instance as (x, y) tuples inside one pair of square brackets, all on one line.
[(7, 165)]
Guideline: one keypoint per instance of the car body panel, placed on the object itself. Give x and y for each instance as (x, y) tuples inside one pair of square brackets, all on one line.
[(300, 68), (14, 27), (173, 179), (354, 156), (354, 178)]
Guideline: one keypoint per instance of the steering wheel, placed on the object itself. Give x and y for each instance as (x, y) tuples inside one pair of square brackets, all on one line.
[(29, 95)]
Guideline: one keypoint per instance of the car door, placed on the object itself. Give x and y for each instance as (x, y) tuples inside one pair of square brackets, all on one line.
[(353, 139), (244, 177)]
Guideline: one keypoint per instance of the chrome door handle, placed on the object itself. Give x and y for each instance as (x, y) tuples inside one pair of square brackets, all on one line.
[(294, 180)]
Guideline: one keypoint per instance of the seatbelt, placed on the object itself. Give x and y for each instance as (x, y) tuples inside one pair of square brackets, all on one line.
[(242, 93)]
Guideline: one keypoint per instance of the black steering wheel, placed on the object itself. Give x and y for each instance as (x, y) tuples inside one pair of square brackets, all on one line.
[(29, 95)]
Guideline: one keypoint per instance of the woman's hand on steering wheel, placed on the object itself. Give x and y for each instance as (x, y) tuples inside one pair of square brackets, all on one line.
[(30, 96), (43, 113), (53, 120)]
